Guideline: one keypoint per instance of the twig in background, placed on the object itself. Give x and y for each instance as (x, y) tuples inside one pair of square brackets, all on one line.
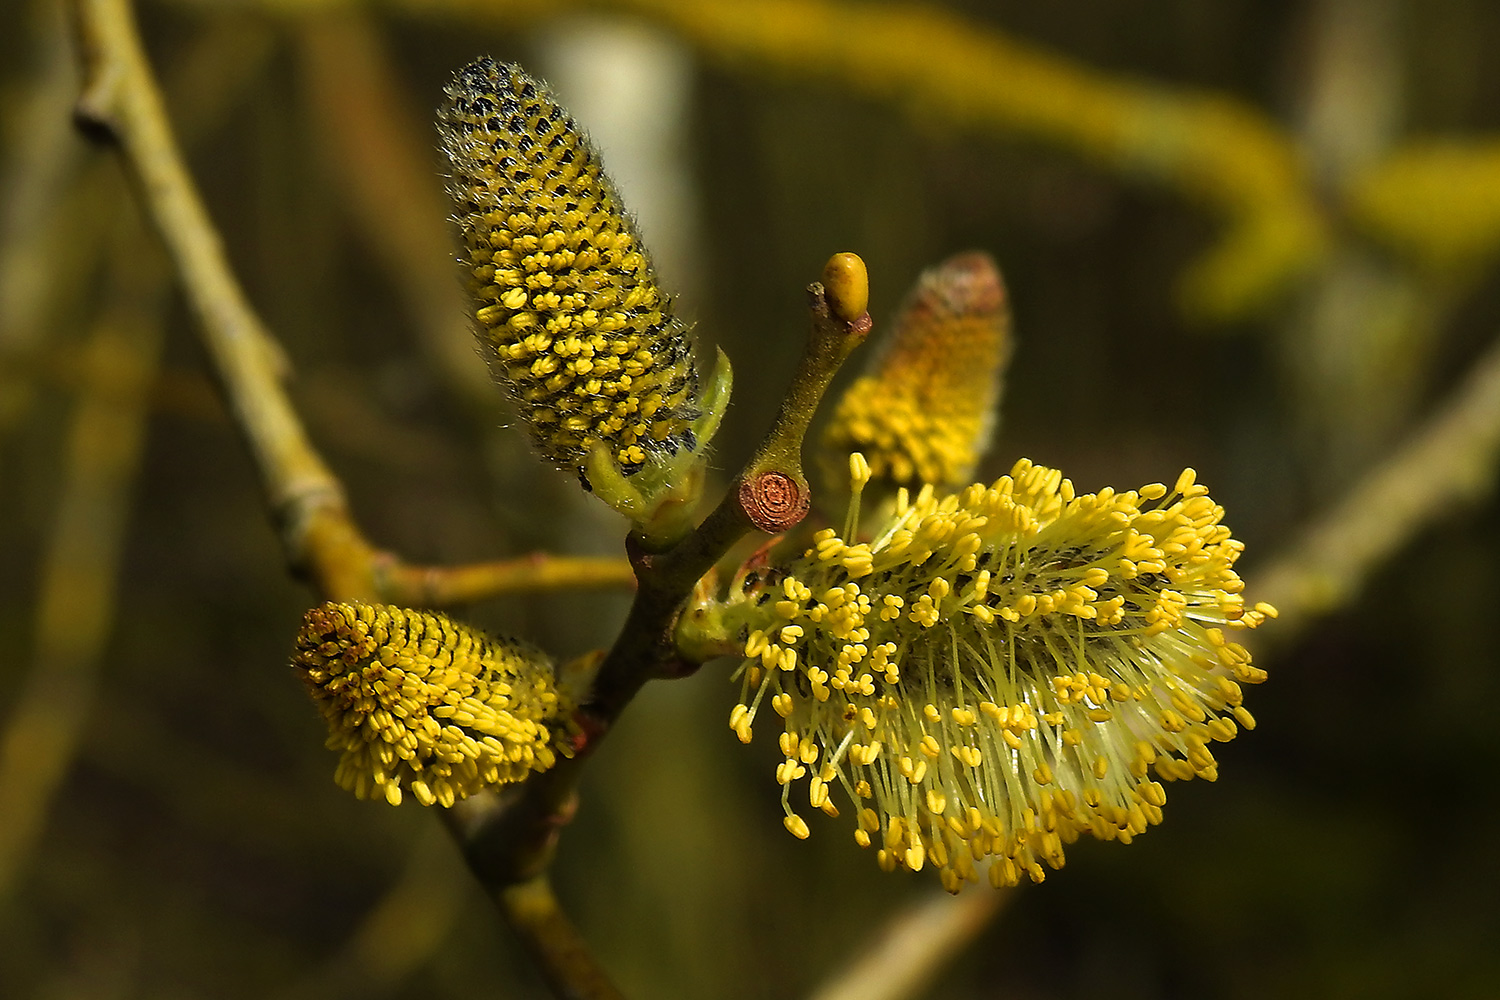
[(1448, 460), (388, 178), (1215, 150), (399, 933), (76, 606), (913, 946)]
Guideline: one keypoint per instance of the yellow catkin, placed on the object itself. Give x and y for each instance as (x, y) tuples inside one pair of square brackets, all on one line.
[(1012, 667), (925, 411), (418, 702), (567, 304)]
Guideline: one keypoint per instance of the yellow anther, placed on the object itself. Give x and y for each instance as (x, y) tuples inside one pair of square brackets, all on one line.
[(859, 470)]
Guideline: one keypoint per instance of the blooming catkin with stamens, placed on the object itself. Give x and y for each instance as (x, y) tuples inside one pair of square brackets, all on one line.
[(418, 701), (926, 410), (1003, 669), (567, 303)]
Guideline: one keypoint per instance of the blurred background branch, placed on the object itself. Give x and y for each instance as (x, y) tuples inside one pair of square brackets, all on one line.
[(1448, 463), (76, 603), (913, 946)]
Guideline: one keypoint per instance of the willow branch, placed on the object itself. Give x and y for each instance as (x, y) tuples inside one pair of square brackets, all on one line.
[(1450, 460), (440, 586), (914, 945), (534, 914), (509, 838), (122, 104), (507, 841)]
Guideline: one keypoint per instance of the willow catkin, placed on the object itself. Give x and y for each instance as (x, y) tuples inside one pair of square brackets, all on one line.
[(567, 304)]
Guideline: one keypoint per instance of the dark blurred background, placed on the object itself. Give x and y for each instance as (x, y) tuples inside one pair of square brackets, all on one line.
[(191, 843)]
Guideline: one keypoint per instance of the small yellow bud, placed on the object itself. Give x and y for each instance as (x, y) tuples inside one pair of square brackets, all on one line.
[(925, 411), (846, 286)]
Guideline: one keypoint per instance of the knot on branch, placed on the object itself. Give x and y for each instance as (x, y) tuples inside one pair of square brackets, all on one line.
[(774, 501)]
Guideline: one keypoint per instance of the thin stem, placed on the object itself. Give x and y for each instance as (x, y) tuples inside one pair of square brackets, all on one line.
[(534, 914), (442, 586), (914, 945), (77, 596), (121, 103), (1450, 460), (509, 838)]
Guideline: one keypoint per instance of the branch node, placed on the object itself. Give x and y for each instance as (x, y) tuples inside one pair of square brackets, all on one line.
[(774, 501), (92, 118)]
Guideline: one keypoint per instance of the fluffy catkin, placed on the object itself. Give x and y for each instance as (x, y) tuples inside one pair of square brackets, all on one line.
[(416, 701), (1001, 670), (566, 301)]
